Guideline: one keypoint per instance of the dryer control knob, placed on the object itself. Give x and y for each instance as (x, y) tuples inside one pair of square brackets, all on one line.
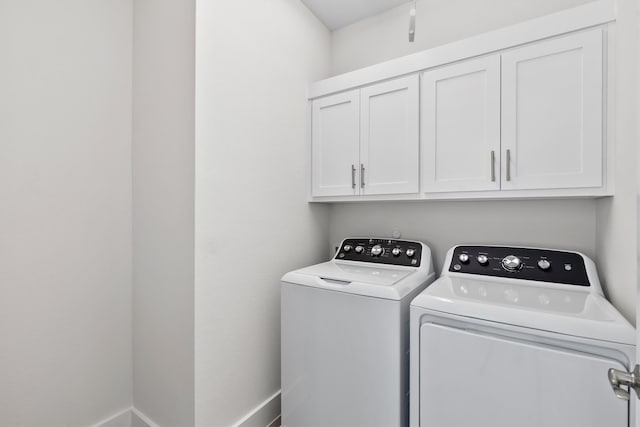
[(377, 250), (483, 259), (410, 252), (346, 248), (544, 264), (464, 258), (511, 263), (396, 251), (359, 249)]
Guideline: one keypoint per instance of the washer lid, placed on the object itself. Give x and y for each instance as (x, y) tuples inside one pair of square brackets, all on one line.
[(352, 272), (516, 302), (356, 278)]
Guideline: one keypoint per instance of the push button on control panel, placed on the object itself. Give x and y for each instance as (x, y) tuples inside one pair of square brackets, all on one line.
[(544, 264)]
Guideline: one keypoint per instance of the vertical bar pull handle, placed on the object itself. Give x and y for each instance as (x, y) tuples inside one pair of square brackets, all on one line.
[(508, 165), (493, 166), (353, 176), (361, 175)]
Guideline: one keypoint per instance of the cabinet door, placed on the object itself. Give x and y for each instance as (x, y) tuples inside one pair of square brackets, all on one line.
[(460, 126), (552, 113), (389, 147), (335, 144)]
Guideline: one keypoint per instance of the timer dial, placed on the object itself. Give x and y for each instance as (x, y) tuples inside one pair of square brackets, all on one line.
[(464, 258), (377, 250), (511, 263)]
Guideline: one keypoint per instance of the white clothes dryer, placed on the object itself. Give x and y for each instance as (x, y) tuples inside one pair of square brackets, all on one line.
[(345, 335), (517, 337)]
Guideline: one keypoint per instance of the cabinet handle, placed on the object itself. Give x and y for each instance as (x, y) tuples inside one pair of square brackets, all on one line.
[(353, 176), (361, 175), (508, 165), (493, 166)]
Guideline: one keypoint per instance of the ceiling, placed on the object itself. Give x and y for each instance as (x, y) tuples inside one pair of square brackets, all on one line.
[(336, 14)]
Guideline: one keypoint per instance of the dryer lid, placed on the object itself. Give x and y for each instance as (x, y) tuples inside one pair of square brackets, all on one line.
[(516, 302)]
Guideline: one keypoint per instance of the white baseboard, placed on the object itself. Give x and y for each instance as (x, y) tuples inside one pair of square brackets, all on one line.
[(263, 414), (138, 419), (130, 417), (121, 419)]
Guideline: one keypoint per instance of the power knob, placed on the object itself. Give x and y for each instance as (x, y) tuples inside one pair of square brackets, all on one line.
[(464, 258), (511, 263), (410, 252), (396, 251), (377, 250), (359, 249)]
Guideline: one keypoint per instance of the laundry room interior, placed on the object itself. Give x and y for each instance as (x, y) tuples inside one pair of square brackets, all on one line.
[(156, 178)]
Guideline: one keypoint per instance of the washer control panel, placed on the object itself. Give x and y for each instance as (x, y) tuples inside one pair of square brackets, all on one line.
[(521, 263), (381, 251)]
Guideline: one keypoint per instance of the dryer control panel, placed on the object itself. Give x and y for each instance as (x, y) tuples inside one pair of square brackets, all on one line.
[(381, 251), (521, 263)]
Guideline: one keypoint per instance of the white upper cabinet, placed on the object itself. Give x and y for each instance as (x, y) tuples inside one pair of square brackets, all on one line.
[(389, 153), (335, 145), (365, 142), (523, 111), (460, 126), (552, 113)]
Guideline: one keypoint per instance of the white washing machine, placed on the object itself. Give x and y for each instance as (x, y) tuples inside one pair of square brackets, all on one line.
[(517, 337), (345, 335)]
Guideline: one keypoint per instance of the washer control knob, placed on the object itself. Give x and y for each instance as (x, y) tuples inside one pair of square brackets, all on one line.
[(346, 248), (396, 251), (544, 264), (359, 249), (464, 258), (511, 263), (483, 259), (377, 250), (410, 252)]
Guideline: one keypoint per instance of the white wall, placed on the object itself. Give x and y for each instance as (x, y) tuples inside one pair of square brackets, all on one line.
[(163, 210), (65, 216), (254, 61), (563, 224), (441, 225), (385, 36), (617, 226)]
